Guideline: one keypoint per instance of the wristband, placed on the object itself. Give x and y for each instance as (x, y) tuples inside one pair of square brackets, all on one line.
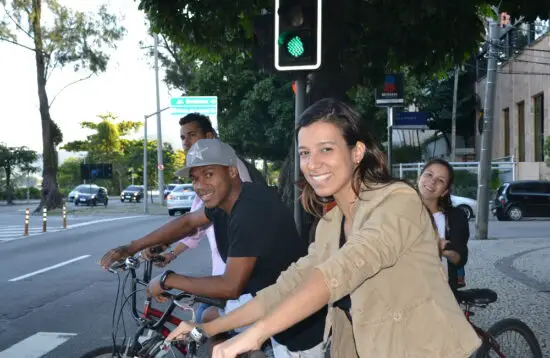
[(197, 335), (163, 279)]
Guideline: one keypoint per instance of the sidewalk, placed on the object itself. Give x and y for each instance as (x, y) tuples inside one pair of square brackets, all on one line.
[(519, 271)]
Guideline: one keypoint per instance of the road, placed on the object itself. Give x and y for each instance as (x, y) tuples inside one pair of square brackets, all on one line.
[(57, 302)]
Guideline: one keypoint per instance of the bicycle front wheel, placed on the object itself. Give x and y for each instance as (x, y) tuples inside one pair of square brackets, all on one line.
[(499, 345)]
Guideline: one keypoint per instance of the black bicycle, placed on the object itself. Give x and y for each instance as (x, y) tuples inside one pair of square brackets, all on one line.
[(149, 340)]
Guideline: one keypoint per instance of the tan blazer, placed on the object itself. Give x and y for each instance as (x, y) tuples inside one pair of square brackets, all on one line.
[(402, 305)]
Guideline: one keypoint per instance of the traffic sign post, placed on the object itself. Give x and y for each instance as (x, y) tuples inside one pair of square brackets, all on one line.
[(206, 105)]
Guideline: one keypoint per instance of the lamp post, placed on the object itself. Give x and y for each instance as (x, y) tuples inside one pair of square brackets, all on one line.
[(145, 184)]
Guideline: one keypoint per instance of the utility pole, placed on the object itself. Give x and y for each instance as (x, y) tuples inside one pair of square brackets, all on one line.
[(482, 218), (453, 119), (160, 160)]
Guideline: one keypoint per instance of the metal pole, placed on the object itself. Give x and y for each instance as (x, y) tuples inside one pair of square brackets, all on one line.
[(145, 184), (160, 161), (390, 138), (300, 106), (64, 216), (453, 119), (482, 218)]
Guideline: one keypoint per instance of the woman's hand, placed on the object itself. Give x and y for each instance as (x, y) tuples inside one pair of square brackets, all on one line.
[(249, 340), (180, 332)]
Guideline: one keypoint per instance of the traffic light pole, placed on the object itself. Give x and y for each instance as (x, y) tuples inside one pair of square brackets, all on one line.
[(300, 106), (160, 159)]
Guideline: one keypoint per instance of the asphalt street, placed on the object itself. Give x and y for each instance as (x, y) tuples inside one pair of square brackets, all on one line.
[(57, 302)]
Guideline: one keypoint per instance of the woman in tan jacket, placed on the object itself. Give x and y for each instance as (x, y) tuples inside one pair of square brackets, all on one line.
[(375, 260)]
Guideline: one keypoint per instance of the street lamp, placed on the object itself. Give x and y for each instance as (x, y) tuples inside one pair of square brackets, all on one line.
[(145, 184)]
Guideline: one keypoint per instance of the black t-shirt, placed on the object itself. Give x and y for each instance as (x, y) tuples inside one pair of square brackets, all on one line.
[(260, 225)]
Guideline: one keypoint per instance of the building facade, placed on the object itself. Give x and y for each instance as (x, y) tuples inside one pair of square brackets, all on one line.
[(522, 116)]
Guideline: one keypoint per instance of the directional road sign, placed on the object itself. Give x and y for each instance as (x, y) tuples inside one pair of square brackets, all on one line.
[(207, 105)]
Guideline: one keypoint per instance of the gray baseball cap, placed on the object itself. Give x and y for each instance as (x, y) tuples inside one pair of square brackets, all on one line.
[(208, 152)]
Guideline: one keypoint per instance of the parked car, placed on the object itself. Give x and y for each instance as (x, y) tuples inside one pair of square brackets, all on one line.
[(523, 198), (168, 189), (132, 193), (91, 195), (469, 206), (180, 199), (74, 192)]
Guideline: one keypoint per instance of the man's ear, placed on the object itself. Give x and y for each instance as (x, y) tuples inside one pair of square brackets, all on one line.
[(233, 172)]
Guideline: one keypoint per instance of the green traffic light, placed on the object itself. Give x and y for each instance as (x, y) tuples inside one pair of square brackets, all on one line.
[(295, 46)]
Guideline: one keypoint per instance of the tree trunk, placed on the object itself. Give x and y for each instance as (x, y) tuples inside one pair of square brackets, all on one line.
[(9, 188), (51, 197)]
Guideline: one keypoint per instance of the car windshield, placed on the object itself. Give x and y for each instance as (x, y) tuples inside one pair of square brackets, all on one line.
[(183, 188), (87, 190), (133, 188), (171, 186)]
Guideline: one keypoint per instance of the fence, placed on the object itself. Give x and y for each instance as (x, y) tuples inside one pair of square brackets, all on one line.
[(466, 174)]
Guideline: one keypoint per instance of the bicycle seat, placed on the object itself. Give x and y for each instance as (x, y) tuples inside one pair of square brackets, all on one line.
[(476, 296)]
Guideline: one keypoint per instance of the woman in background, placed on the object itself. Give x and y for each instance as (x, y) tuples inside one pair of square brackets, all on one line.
[(434, 185)]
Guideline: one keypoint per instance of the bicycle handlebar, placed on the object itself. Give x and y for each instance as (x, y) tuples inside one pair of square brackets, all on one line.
[(132, 263)]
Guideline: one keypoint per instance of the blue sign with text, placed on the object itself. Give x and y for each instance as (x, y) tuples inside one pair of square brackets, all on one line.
[(411, 120)]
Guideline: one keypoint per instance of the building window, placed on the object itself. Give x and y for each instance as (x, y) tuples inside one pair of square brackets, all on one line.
[(521, 131), (538, 135), (506, 120)]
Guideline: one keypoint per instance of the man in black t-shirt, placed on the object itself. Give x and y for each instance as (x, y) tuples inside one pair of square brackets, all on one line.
[(255, 235)]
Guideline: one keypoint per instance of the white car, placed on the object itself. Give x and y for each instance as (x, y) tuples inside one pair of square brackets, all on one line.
[(468, 205), (180, 199)]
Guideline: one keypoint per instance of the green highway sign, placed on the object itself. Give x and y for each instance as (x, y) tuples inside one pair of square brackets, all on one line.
[(207, 105)]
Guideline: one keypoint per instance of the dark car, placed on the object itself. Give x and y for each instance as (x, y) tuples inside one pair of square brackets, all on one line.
[(519, 199), (91, 195), (132, 193)]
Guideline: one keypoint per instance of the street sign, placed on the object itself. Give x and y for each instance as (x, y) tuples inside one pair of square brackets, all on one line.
[(411, 120), (390, 94), (207, 105)]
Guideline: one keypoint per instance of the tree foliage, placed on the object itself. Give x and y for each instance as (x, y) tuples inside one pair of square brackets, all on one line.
[(107, 144), (74, 39), (14, 160)]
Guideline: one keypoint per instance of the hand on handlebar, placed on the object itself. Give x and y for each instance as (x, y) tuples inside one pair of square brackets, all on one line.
[(154, 290), (114, 255), (180, 332), (153, 251), (163, 259)]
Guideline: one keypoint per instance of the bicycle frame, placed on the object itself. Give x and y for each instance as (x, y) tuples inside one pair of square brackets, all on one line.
[(152, 318), (485, 337)]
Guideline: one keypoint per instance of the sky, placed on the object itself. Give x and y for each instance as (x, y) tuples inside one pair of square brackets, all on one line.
[(126, 89)]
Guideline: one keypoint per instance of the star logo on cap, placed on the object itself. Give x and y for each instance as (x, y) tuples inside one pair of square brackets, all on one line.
[(196, 153)]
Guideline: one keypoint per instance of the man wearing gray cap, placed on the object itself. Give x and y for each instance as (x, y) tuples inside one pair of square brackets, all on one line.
[(255, 234)]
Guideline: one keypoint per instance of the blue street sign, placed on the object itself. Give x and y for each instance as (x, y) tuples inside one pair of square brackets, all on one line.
[(207, 105), (411, 120)]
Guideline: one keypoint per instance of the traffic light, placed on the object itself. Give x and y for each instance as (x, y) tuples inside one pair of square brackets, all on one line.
[(298, 35)]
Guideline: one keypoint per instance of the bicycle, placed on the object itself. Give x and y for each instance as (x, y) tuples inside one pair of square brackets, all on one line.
[(149, 340), (483, 297)]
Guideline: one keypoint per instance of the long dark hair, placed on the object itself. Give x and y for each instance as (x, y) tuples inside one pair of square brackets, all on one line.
[(444, 203), (373, 167)]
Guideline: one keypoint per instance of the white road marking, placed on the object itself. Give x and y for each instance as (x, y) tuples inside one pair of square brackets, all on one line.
[(10, 233), (49, 268), (36, 345)]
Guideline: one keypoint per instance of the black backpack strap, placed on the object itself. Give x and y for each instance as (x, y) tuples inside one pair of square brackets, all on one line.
[(343, 303)]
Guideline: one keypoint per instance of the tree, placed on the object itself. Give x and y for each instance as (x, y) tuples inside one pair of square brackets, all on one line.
[(437, 100), (68, 175), (72, 38), (105, 144), (13, 159)]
